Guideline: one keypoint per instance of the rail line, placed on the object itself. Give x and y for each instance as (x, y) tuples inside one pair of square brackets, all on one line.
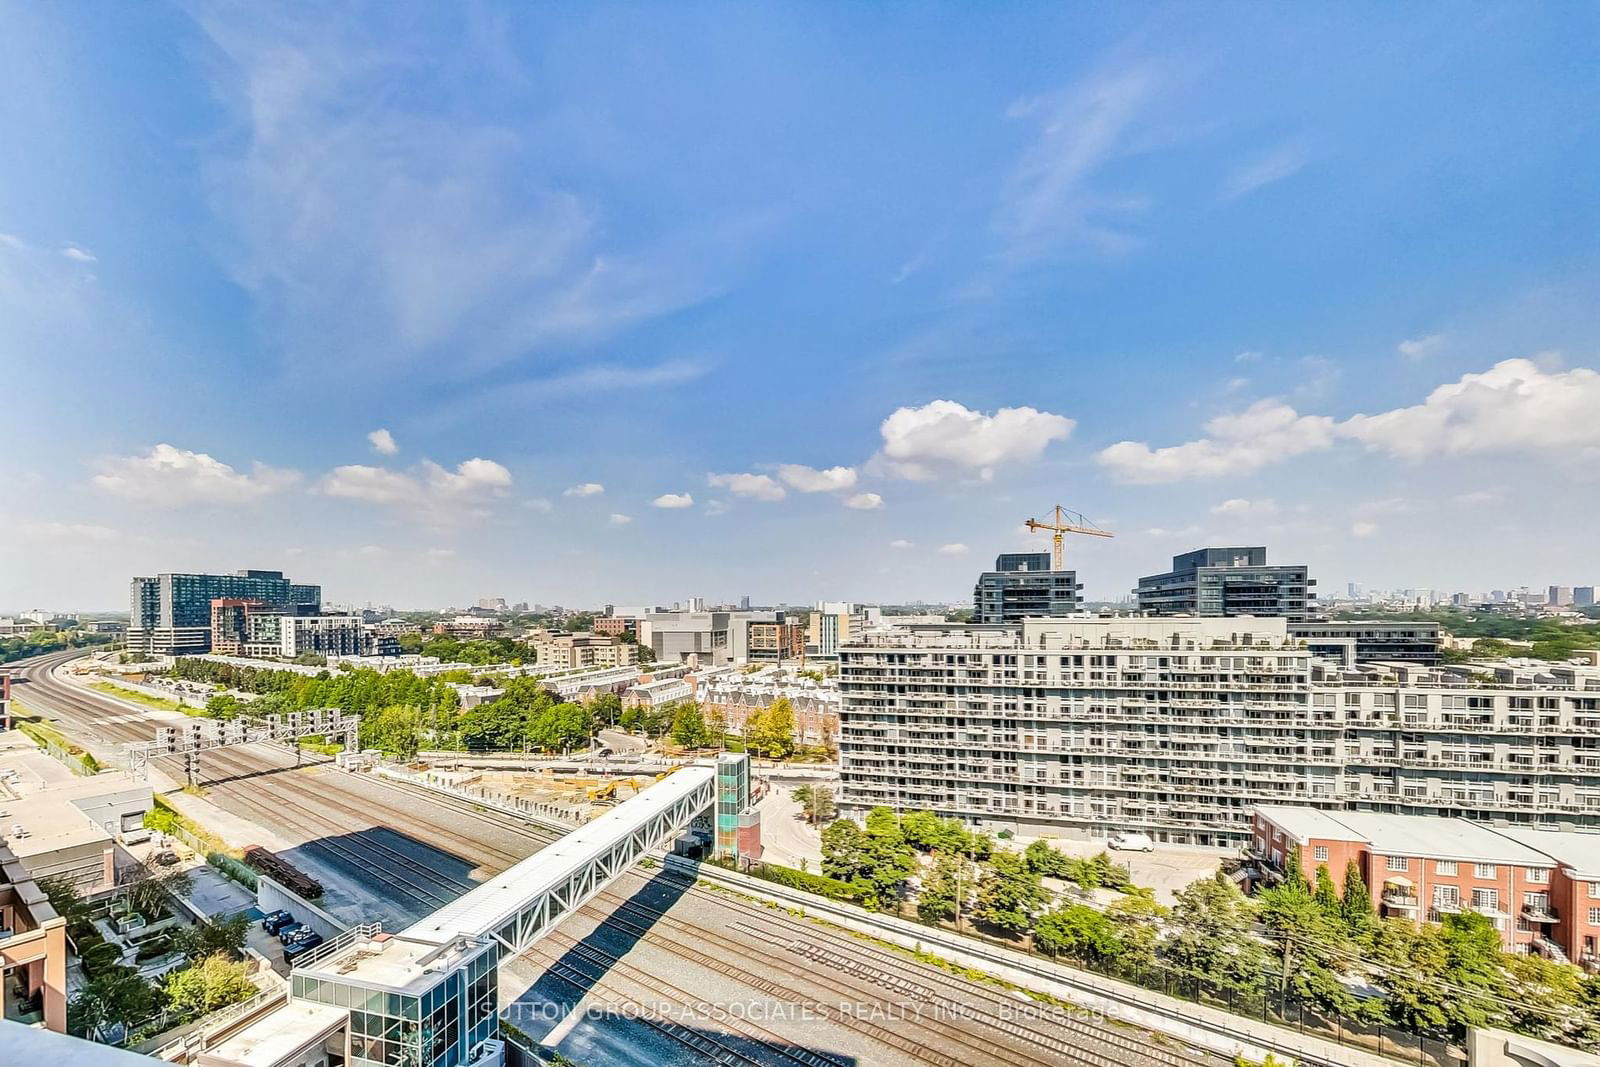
[(606, 963), (886, 973)]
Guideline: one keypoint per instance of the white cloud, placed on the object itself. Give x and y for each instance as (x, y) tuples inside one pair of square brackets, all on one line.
[(955, 548), (864, 502), (1248, 356), (1363, 529), (1240, 506), (617, 518), (11, 240), (173, 477), (673, 501), (421, 229), (372, 551), (1051, 201), (383, 442), (539, 504), (586, 489), (1273, 166), (902, 543), (945, 438), (805, 479), (81, 255), (716, 507), (429, 491), (1268, 431), (1513, 407), (440, 554), (1478, 496), (757, 486), (1185, 533), (1420, 347)]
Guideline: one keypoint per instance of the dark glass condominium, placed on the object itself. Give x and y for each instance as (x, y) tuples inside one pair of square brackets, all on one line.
[(171, 613), (1022, 585), (1218, 582)]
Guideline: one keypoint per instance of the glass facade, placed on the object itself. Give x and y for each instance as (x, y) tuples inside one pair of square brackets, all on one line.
[(733, 796), (437, 1027)]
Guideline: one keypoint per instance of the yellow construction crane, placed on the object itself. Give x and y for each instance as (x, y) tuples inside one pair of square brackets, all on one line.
[(1078, 525)]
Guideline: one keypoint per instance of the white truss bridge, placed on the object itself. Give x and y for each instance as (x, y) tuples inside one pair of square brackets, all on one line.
[(519, 905)]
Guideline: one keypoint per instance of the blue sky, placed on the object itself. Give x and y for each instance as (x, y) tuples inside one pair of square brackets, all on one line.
[(858, 288)]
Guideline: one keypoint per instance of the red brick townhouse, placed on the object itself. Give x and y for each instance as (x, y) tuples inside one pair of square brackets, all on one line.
[(1540, 888)]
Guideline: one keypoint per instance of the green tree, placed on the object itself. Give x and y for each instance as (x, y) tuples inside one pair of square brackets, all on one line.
[(495, 724), (224, 706), (945, 888), (396, 729), (770, 732), (208, 938), (1355, 905), (1543, 998), (606, 709), (1212, 937), (717, 726), (1046, 860), (1138, 920), (118, 995), (1326, 896), (149, 890), (689, 726), (1311, 942), (67, 901), (1009, 893), (208, 985), (1077, 931), (1294, 871), (629, 719), (816, 801)]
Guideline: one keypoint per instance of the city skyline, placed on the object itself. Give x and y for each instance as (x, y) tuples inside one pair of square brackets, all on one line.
[(428, 305)]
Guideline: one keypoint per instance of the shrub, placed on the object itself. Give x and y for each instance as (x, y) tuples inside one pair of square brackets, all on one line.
[(820, 884), (232, 868)]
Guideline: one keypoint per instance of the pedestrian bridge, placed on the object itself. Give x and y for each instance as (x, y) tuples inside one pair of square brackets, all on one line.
[(520, 904)]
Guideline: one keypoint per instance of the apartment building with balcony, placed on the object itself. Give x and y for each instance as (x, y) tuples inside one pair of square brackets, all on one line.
[(1179, 727), (1229, 582)]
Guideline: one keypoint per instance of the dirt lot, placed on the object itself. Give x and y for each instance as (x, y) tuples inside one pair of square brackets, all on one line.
[(1166, 870)]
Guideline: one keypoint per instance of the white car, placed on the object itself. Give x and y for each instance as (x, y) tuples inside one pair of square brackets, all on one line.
[(1132, 843)]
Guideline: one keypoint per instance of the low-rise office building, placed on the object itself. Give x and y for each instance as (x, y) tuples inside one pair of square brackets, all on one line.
[(774, 642), (322, 635), (1221, 582), (1179, 727), (831, 626)]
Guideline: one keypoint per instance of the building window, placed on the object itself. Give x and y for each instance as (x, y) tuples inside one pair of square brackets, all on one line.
[(1486, 900), (1483, 870), (1320, 853), (1445, 867), (1446, 897), (1399, 863), (1594, 916), (1538, 875), (1594, 890)]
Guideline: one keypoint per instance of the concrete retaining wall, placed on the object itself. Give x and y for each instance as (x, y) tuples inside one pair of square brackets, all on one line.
[(270, 896)]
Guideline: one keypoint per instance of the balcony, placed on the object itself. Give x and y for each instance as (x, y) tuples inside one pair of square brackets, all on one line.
[(1539, 913), (1400, 899)]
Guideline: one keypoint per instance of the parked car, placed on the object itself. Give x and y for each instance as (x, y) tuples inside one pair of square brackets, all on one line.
[(302, 946), (1126, 842), (274, 921), (286, 933)]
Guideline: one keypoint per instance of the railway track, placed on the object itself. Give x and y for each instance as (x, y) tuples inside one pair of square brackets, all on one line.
[(593, 965), (976, 1023)]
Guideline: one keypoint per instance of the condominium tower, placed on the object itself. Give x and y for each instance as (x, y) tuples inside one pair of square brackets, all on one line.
[(1214, 582), (1022, 585), (1178, 727), (171, 613)]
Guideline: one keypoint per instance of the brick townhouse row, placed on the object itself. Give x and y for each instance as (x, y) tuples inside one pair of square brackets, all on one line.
[(1540, 888)]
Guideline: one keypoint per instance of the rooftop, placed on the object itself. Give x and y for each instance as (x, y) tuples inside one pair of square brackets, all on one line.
[(1577, 851), (1423, 835), (396, 963), (278, 1035)]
